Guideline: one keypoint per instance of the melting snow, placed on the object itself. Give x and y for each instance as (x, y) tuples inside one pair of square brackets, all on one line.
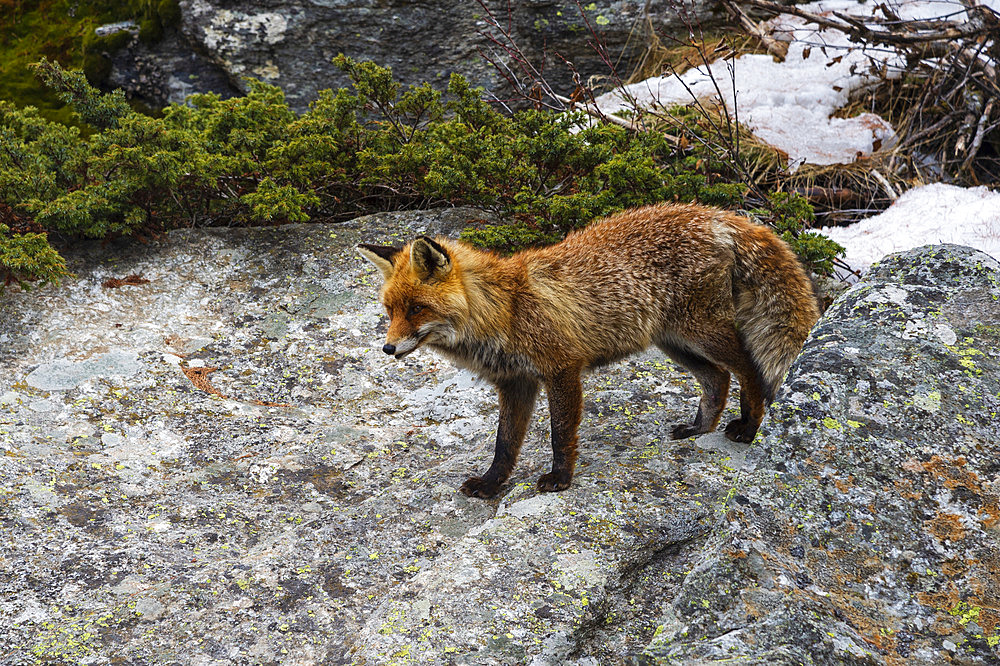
[(930, 214), (789, 104)]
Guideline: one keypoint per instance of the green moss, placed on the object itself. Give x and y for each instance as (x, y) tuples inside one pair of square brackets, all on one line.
[(169, 12), (96, 67), (109, 43), (63, 30), (150, 30), (29, 32), (97, 51)]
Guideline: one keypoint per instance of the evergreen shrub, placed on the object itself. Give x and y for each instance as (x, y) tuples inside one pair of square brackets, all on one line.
[(375, 147)]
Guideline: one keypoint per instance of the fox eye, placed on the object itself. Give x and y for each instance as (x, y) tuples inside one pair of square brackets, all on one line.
[(414, 310)]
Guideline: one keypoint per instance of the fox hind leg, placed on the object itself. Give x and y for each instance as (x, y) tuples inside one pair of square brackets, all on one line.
[(753, 400), (724, 349), (714, 382), (728, 350), (566, 408)]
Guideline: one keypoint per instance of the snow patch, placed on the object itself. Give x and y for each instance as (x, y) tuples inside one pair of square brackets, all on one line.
[(926, 215), (790, 104)]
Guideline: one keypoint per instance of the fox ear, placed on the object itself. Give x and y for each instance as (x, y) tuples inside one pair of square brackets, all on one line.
[(429, 259), (381, 256)]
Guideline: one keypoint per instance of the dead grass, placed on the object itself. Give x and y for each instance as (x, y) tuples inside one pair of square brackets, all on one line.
[(839, 193), (199, 379), (932, 107), (843, 193), (133, 280), (659, 57)]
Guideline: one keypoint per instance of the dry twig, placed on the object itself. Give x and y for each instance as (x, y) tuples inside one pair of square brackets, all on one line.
[(774, 47)]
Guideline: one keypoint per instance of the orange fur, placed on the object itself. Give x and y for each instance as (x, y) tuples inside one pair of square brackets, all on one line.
[(715, 292)]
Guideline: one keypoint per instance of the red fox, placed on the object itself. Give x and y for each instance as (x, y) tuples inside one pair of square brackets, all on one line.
[(715, 292)]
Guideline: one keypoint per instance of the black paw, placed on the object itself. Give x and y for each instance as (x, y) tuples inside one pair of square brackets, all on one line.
[(741, 431), (683, 431), (479, 487), (552, 482)]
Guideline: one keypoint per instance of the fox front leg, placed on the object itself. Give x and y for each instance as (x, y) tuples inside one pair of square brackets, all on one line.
[(517, 402), (565, 407)]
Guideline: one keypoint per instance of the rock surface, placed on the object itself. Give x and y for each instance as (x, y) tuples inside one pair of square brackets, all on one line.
[(865, 526), (220, 466), (168, 71), (291, 44)]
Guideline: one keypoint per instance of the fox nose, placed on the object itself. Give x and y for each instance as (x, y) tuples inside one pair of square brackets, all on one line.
[(389, 349)]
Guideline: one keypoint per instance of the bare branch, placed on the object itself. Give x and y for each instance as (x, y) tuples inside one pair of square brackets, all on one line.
[(977, 142), (773, 46)]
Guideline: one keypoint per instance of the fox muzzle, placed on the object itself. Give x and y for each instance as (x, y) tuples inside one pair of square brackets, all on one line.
[(403, 347)]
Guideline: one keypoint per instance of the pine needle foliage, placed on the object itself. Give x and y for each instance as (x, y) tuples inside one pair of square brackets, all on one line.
[(252, 160)]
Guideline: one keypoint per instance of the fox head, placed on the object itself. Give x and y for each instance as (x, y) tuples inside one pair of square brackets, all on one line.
[(422, 294)]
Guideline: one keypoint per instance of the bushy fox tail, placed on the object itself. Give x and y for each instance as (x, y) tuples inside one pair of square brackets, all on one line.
[(775, 303)]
